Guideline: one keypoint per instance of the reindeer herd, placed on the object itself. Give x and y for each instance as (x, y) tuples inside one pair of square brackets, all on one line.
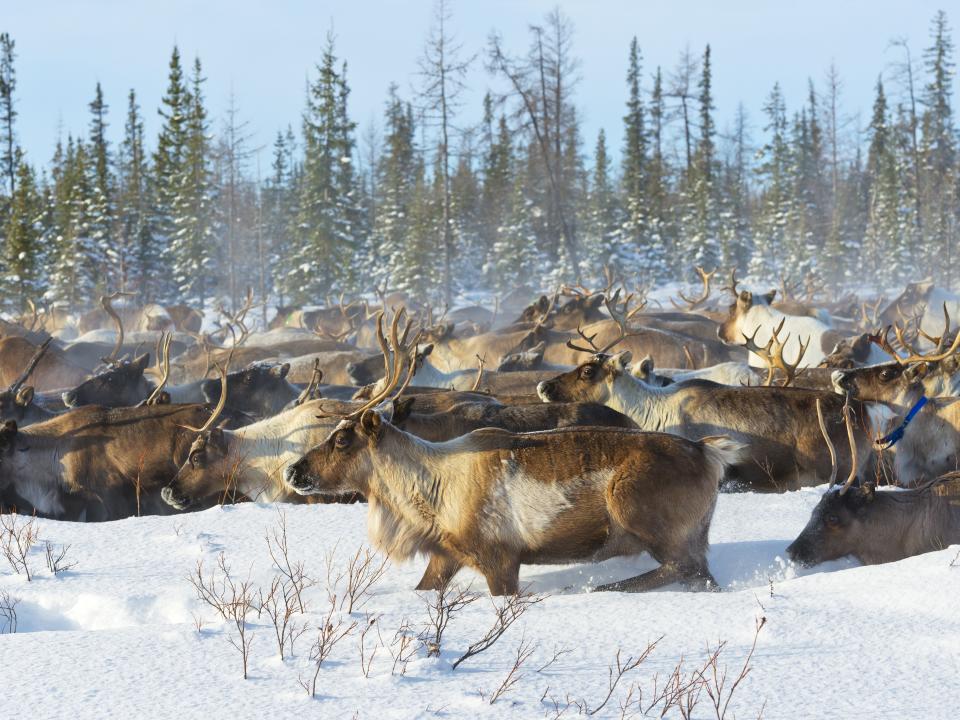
[(587, 424)]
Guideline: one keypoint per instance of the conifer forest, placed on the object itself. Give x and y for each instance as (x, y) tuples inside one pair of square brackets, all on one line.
[(444, 198)]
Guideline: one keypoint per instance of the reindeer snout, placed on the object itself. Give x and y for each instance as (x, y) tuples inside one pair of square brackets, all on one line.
[(296, 477), (546, 390), (354, 374), (175, 499), (799, 551), (841, 381)]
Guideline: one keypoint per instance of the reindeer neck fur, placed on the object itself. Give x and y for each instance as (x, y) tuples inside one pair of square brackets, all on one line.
[(929, 446), (417, 491), (649, 406), (33, 469), (262, 450), (923, 519)]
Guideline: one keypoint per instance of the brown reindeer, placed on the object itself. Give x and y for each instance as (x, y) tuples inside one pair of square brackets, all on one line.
[(776, 424), (97, 463), (53, 371), (492, 499), (879, 526)]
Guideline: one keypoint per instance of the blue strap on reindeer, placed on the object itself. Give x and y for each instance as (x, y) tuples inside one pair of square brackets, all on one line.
[(888, 441)]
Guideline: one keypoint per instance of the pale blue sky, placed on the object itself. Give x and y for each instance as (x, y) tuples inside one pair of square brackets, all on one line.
[(265, 51)]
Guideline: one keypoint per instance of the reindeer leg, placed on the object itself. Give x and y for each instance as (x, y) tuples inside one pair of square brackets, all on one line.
[(663, 575), (440, 571), (504, 577)]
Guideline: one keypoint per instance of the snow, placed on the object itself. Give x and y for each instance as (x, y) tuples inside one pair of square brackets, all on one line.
[(115, 636)]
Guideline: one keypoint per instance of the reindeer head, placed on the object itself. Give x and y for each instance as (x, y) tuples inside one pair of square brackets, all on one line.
[(590, 382), (121, 385), (260, 389), (342, 463), (731, 330), (836, 527)]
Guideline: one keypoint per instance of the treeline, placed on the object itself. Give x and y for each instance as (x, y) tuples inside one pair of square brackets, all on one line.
[(435, 205)]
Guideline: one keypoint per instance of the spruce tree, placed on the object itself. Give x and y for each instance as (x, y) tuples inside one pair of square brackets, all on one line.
[(658, 256), (396, 177), (322, 257), (634, 155), (23, 261), (194, 239), (169, 170), (101, 210), (8, 113), (139, 258), (775, 193), (883, 251), (938, 150)]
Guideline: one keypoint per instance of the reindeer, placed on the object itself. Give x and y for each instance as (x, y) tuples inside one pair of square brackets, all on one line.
[(751, 317), (773, 422), (465, 417), (251, 460), (878, 526), (492, 500), (53, 371), (930, 447), (96, 463), (17, 402)]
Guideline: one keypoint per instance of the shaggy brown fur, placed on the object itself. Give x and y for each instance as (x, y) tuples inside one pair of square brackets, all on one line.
[(492, 500)]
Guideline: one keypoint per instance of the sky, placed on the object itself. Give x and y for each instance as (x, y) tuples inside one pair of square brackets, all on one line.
[(265, 52)]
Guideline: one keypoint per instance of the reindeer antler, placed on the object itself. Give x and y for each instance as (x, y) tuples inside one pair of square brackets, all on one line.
[(163, 364), (37, 354), (939, 341), (734, 283), (106, 302), (695, 303), (476, 384), (221, 403), (883, 340), (311, 388), (772, 354), (848, 423)]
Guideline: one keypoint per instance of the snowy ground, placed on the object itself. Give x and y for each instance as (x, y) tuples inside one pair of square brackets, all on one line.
[(115, 637)]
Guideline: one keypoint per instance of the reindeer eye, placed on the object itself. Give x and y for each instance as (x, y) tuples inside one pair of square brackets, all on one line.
[(196, 459), (831, 520), (587, 372), (342, 441), (886, 374)]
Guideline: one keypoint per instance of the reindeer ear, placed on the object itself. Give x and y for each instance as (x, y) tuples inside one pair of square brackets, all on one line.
[(768, 297), (141, 362), (8, 431), (868, 491), (646, 365), (371, 424), (24, 396), (621, 360), (594, 302), (217, 439), (401, 409), (426, 350), (280, 370), (539, 348), (543, 303)]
